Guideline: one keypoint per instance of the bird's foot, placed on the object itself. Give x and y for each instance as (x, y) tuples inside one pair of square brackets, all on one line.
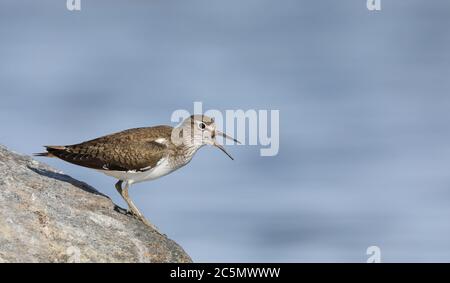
[(143, 219), (121, 210), (131, 213)]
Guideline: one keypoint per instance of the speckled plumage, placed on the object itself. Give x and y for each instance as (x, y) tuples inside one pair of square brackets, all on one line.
[(141, 154), (129, 150)]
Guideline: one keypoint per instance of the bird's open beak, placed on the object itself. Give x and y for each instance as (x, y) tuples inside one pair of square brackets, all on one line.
[(221, 146), (223, 149)]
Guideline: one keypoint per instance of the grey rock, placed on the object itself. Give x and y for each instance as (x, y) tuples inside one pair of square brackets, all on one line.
[(46, 216)]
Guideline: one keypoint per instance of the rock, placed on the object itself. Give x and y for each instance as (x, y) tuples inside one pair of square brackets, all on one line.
[(46, 216)]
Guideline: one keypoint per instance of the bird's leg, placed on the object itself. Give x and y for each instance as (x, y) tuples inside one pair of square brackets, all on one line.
[(119, 186), (135, 211), (119, 190), (123, 191)]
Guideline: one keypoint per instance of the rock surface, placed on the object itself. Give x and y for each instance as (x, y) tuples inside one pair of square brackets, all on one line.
[(46, 216)]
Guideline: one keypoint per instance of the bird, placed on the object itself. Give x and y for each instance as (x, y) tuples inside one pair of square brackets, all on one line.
[(142, 154)]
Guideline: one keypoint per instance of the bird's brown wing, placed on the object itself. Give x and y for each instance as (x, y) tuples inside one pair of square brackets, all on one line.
[(130, 150)]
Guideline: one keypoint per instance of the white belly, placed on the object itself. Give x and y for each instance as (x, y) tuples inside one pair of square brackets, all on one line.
[(160, 170)]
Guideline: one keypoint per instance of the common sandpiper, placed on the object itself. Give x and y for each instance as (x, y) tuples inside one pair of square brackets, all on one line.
[(141, 154)]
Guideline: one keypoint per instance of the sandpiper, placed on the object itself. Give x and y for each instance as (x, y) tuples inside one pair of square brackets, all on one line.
[(141, 154)]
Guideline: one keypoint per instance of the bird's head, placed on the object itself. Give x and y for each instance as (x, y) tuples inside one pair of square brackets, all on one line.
[(200, 130)]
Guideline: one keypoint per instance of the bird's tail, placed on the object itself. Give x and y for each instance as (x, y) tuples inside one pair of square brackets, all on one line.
[(48, 153), (44, 154)]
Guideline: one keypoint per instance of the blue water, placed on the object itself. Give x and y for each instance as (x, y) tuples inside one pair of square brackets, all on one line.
[(364, 101)]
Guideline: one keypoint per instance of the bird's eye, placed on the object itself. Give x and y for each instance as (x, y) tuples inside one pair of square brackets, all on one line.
[(202, 126)]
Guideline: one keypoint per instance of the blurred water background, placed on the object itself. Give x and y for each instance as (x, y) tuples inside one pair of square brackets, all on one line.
[(364, 116)]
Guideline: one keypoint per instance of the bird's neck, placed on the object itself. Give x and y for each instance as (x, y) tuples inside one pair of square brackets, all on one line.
[(183, 154), (185, 145), (189, 150)]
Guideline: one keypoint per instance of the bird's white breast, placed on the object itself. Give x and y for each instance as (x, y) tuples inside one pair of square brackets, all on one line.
[(162, 168)]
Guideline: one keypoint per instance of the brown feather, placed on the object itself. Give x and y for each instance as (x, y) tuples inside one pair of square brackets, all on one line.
[(132, 149)]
